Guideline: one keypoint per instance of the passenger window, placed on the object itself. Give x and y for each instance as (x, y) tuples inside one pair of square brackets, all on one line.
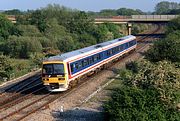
[(127, 45), (90, 60), (110, 51), (95, 58), (77, 66), (82, 62), (72, 67), (85, 62), (99, 56), (122, 47), (80, 65)]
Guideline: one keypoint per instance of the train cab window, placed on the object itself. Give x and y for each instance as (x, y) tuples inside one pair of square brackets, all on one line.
[(58, 68), (47, 69), (53, 69)]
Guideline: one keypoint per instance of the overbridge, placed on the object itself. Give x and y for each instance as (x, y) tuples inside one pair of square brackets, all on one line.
[(129, 20), (136, 19), (12, 18)]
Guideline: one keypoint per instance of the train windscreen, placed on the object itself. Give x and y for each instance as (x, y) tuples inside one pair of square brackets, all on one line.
[(55, 69)]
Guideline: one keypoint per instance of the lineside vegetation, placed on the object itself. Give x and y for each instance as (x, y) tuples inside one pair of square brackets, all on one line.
[(150, 89)]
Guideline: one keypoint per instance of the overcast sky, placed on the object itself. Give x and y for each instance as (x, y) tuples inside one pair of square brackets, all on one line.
[(85, 5)]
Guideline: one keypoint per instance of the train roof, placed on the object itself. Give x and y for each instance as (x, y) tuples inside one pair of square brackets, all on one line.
[(67, 55)]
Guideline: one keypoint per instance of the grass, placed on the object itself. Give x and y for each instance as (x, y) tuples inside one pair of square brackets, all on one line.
[(20, 67)]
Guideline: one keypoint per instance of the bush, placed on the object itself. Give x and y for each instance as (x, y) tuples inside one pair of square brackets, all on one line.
[(173, 25), (65, 44), (133, 104), (21, 47), (6, 27), (168, 48), (151, 93), (5, 66), (29, 30)]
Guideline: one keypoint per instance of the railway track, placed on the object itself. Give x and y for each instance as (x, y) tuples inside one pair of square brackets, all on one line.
[(18, 86), (44, 100), (7, 97)]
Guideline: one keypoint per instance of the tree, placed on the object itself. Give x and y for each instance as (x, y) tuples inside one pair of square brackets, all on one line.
[(167, 48), (6, 27), (23, 19), (5, 66), (61, 13), (80, 23), (21, 47), (29, 30), (86, 40), (150, 93), (65, 44), (13, 12), (115, 29), (164, 7), (174, 12), (54, 30), (101, 33), (173, 25), (39, 19), (128, 12), (108, 12), (46, 43)]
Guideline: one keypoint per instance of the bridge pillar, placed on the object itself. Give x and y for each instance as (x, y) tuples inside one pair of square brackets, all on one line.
[(129, 26)]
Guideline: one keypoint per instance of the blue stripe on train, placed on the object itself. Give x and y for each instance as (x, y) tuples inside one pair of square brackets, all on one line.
[(93, 59)]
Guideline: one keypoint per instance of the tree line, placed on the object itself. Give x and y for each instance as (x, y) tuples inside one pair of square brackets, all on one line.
[(49, 31)]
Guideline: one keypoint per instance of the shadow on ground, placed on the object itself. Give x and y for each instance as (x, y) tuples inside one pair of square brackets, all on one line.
[(78, 114)]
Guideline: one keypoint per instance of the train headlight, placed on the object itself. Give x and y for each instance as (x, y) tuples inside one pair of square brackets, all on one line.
[(45, 79), (61, 78)]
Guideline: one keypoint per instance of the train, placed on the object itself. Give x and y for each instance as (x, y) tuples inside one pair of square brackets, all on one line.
[(61, 71)]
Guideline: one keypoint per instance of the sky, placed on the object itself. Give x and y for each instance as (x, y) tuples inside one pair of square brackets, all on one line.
[(84, 5)]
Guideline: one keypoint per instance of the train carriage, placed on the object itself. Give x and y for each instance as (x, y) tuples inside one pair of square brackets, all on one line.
[(59, 71)]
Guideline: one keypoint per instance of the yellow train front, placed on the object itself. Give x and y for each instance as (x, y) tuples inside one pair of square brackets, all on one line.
[(54, 75)]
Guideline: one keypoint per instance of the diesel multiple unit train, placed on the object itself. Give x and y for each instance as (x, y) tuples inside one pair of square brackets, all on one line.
[(58, 72)]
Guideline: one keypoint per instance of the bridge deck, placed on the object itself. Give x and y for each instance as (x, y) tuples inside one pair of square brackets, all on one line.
[(136, 18)]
